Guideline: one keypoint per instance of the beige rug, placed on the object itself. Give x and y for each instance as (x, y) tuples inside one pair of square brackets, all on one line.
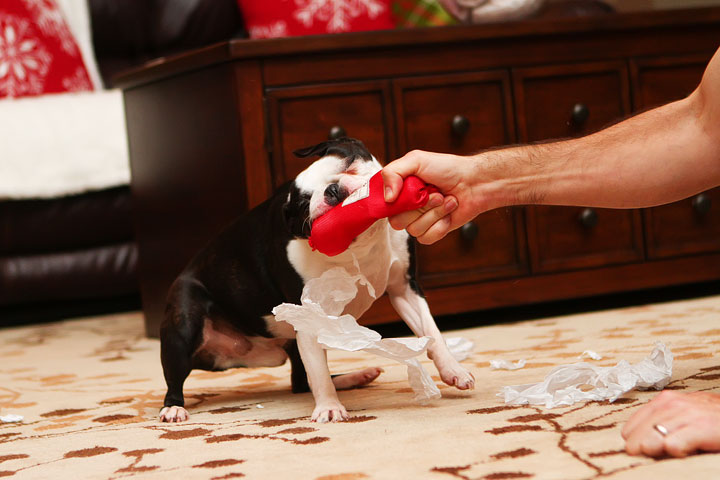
[(90, 390)]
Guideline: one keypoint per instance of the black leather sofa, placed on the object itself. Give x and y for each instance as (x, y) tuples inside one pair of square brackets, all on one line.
[(76, 255)]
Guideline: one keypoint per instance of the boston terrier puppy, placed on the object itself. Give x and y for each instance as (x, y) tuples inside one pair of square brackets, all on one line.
[(218, 314)]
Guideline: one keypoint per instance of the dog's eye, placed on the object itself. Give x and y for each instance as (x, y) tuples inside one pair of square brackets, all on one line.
[(335, 194)]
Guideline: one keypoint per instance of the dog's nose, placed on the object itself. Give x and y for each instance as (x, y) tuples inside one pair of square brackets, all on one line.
[(335, 194)]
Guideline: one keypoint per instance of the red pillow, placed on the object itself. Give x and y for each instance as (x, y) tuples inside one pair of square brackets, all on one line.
[(284, 18), (38, 53)]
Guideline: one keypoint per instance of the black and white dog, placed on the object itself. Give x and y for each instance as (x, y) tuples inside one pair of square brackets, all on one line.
[(218, 314)]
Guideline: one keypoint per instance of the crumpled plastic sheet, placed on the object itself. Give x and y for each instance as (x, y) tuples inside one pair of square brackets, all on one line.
[(460, 347), (590, 354), (11, 418), (561, 386), (320, 314), (507, 365)]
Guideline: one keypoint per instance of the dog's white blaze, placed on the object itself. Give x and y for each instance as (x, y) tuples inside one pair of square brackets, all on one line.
[(331, 169)]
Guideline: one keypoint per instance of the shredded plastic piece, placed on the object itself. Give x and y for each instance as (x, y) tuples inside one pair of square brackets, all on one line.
[(562, 385)]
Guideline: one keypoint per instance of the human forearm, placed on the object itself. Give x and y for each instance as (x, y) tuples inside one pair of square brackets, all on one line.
[(656, 157), (660, 156)]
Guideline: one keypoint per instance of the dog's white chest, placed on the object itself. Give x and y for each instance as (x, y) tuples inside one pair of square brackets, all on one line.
[(374, 253)]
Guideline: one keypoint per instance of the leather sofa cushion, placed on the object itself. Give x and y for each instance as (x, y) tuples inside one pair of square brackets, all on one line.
[(101, 272), (66, 223)]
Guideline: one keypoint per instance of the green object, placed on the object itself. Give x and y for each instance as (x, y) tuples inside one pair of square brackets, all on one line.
[(421, 13)]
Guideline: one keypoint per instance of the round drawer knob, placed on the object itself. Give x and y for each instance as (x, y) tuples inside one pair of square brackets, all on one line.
[(337, 132), (579, 115), (588, 218), (460, 125), (469, 231), (702, 203)]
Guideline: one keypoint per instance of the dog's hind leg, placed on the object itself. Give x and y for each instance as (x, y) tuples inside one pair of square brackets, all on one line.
[(178, 337), (357, 379)]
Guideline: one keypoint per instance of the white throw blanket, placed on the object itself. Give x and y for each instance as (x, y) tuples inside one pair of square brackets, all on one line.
[(65, 144)]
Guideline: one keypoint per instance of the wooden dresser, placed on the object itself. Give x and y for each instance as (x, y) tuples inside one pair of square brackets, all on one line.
[(212, 133)]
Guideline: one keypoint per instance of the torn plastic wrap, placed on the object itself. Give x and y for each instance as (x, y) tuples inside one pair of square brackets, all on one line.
[(562, 386), (459, 347), (590, 354), (507, 365), (320, 314), (11, 418)]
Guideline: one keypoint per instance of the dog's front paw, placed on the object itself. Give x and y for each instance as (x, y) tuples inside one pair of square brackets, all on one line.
[(458, 377), (329, 412), (173, 414)]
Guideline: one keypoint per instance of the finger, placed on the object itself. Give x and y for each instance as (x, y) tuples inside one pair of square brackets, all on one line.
[(402, 220), (646, 439), (647, 411), (652, 444), (428, 219), (691, 438), (394, 173), (436, 232)]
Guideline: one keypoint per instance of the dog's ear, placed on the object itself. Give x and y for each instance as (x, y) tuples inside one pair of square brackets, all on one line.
[(343, 147), (318, 150), (296, 213)]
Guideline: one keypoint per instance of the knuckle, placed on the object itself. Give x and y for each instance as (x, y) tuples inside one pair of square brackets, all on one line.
[(424, 239), (676, 447), (631, 447), (667, 396), (650, 447), (413, 230), (414, 154), (396, 223)]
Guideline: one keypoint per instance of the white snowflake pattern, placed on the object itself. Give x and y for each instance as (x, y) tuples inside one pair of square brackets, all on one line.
[(337, 13), (274, 30), (23, 62), (49, 18), (78, 82)]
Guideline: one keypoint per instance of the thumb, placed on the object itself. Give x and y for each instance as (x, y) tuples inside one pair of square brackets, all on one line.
[(394, 174)]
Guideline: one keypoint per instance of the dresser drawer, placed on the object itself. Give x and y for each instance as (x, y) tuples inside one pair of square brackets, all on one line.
[(692, 225), (491, 246), (459, 114), (463, 114), (686, 227), (304, 116), (657, 81), (575, 237), (567, 101)]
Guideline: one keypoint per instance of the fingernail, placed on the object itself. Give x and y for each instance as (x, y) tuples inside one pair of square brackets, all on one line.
[(388, 193), (451, 205), (435, 201)]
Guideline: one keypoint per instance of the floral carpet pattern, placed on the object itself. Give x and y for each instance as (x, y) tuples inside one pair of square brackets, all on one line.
[(90, 390)]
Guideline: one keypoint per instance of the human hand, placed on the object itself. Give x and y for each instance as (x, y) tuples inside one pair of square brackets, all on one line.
[(453, 175), (692, 422)]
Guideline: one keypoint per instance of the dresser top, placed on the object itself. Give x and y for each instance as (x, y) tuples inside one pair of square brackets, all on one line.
[(568, 29)]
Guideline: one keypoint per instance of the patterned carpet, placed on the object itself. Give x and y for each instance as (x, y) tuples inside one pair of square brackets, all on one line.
[(90, 390)]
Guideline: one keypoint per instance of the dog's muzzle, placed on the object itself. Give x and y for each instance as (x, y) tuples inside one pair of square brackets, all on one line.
[(335, 194)]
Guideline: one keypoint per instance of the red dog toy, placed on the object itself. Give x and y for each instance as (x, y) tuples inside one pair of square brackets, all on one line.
[(333, 232)]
